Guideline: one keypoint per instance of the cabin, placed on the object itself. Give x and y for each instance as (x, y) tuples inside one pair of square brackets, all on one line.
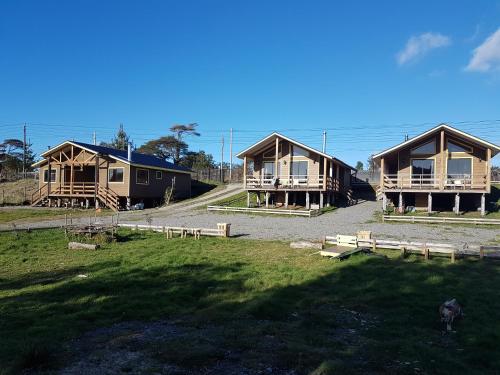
[(287, 172), (441, 169), (83, 175)]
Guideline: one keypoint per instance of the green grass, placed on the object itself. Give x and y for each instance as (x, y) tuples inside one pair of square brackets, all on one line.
[(23, 215), (271, 304)]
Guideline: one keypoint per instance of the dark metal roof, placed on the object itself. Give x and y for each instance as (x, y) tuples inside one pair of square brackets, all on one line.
[(137, 158)]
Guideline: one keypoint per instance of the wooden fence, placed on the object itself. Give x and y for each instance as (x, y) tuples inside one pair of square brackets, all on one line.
[(306, 213), (425, 248), (441, 219), (223, 230)]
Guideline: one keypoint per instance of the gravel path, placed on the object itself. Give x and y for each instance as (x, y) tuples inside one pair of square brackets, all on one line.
[(346, 220)]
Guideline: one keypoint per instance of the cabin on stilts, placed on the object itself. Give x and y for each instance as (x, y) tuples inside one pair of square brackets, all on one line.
[(441, 169), (76, 174), (289, 173)]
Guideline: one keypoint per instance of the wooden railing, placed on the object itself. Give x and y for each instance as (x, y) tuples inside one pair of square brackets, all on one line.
[(290, 182), (39, 194), (108, 197), (78, 188), (432, 181)]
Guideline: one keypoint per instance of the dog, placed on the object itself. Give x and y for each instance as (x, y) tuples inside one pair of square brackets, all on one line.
[(449, 311)]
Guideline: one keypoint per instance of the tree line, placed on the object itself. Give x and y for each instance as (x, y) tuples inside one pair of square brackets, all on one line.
[(171, 147), (14, 155)]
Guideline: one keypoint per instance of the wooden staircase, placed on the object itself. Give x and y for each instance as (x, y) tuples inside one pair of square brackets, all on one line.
[(107, 197)]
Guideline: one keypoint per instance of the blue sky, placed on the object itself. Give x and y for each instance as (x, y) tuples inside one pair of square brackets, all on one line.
[(367, 72)]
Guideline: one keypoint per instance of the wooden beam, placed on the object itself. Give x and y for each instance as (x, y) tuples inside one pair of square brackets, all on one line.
[(245, 172), (325, 162), (71, 171), (488, 170), (276, 171), (382, 162), (441, 152)]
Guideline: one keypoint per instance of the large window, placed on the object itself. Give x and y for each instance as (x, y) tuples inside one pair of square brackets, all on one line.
[(298, 151), (268, 169), (457, 147), (115, 175), (46, 175), (459, 168), (421, 167), (425, 149), (298, 168), (142, 176)]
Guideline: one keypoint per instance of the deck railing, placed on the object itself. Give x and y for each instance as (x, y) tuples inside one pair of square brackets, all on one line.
[(433, 181), (290, 182)]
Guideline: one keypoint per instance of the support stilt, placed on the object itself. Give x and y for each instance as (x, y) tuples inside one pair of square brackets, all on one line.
[(308, 204), (483, 204), (429, 203), (286, 199)]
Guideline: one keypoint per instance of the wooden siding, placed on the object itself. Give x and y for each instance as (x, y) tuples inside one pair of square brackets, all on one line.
[(156, 187)]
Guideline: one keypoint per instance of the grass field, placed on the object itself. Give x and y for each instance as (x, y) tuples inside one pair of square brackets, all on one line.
[(266, 304), (24, 215), (13, 193)]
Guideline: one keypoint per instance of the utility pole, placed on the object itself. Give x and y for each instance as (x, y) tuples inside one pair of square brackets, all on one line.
[(222, 160), (230, 155), (324, 141), (24, 151), (94, 139)]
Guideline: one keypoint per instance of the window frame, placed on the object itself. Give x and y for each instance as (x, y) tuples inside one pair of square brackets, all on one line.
[(51, 170), (470, 158), (137, 175), (469, 149), (161, 175), (298, 162), (413, 149), (123, 175)]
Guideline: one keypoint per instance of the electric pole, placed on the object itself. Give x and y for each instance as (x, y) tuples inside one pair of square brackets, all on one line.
[(324, 141), (230, 155), (94, 140), (24, 151), (222, 160)]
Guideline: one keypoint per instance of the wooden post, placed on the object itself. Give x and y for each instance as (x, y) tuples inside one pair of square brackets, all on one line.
[(321, 199), (400, 205), (267, 199), (488, 170), (244, 172), (286, 199), (308, 205), (403, 251), (71, 171), (483, 204), (429, 203), (453, 256), (374, 244), (481, 252), (325, 161), (248, 199), (457, 203), (384, 202), (276, 171), (426, 252), (258, 199), (382, 162), (96, 176), (441, 151)]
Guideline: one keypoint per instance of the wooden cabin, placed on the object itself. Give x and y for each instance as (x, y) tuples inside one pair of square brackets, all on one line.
[(81, 174), (288, 172), (440, 169)]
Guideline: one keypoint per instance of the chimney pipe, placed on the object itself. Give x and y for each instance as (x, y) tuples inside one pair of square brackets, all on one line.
[(129, 151)]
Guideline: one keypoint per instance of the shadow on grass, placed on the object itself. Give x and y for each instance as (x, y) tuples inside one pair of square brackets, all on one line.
[(366, 314)]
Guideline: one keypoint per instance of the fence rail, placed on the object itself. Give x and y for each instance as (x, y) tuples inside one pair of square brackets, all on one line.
[(442, 219), (223, 230), (307, 213)]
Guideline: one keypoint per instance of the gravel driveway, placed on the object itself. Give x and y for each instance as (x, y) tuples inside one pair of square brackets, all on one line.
[(346, 220)]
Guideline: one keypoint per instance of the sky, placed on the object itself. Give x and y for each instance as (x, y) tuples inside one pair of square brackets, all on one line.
[(367, 72)]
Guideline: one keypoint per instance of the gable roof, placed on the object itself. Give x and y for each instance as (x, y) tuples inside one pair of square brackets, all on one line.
[(138, 159), (495, 148), (262, 143)]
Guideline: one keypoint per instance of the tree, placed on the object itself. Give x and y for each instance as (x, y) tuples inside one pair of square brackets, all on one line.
[(168, 147), (370, 165), (12, 156), (121, 140), (359, 166), (197, 160), (180, 130)]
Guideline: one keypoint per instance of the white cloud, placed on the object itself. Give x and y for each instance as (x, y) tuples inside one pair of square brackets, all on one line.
[(486, 57), (418, 46)]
